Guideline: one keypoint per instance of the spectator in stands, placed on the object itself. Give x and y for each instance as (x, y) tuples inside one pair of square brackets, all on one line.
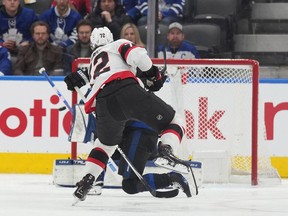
[(176, 46), (130, 32), (40, 53), (82, 47), (5, 62), (108, 13), (84, 7), (15, 22), (168, 11), (131, 9), (62, 21)]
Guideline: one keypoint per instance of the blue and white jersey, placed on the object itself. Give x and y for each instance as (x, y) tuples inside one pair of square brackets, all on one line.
[(16, 28), (131, 8), (168, 8), (63, 28), (128, 4), (185, 51), (5, 62)]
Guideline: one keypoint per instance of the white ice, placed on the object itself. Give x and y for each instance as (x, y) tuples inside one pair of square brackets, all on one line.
[(36, 195)]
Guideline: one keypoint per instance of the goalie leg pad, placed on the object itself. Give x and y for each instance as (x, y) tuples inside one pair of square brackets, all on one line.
[(83, 126), (155, 181), (132, 186)]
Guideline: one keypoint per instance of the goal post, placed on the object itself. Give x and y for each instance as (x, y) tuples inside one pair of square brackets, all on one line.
[(218, 98)]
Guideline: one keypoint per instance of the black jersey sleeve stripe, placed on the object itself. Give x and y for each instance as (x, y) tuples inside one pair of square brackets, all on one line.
[(124, 50)]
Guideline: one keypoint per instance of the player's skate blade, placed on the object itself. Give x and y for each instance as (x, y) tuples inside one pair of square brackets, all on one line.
[(76, 200), (96, 189)]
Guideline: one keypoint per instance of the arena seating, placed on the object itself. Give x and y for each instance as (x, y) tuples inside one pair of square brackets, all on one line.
[(268, 49), (220, 12), (161, 34), (267, 36), (206, 37), (269, 18)]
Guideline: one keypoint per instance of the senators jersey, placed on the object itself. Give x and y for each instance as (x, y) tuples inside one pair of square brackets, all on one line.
[(116, 60)]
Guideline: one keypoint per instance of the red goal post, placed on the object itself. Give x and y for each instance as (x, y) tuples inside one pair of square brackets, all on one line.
[(218, 98)]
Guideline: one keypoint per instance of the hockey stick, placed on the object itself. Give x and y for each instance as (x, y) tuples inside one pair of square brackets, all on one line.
[(186, 164), (113, 167), (155, 193), (43, 72), (164, 69), (159, 194)]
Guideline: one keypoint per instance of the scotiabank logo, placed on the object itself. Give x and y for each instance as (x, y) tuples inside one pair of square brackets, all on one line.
[(209, 124), (205, 123), (35, 116)]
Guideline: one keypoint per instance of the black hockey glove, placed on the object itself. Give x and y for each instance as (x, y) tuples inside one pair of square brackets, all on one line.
[(79, 79), (153, 79), (152, 72), (164, 149)]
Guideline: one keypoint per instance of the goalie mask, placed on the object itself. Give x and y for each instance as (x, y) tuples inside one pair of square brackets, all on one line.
[(100, 36)]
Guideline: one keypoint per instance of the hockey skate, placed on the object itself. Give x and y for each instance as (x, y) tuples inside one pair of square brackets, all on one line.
[(166, 159), (98, 184), (83, 187), (178, 181), (96, 188)]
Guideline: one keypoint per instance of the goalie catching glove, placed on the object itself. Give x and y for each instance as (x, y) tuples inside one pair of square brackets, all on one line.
[(78, 79), (152, 79)]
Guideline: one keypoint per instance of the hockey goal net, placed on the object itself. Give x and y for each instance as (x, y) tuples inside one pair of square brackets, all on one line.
[(219, 101)]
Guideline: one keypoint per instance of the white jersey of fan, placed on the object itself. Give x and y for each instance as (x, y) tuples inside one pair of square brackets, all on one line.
[(107, 64)]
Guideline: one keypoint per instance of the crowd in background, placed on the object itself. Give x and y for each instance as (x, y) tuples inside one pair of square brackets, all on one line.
[(61, 33)]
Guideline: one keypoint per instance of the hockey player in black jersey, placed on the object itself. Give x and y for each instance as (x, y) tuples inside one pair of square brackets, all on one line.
[(117, 98)]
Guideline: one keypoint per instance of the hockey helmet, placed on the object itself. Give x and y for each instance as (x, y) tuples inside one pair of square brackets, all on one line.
[(100, 36)]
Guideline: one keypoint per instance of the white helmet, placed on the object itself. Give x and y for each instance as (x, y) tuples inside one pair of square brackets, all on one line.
[(100, 36)]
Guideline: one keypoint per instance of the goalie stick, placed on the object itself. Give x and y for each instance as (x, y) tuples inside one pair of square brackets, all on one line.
[(155, 193)]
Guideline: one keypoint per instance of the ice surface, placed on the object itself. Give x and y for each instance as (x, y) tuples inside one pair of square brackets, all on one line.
[(36, 195)]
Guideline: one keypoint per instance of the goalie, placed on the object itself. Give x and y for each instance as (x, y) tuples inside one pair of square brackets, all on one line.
[(120, 99)]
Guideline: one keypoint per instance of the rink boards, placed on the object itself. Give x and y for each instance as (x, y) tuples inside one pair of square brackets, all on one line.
[(33, 132)]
